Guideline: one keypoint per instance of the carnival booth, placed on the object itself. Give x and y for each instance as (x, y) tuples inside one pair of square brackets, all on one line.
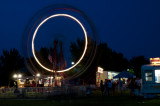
[(40, 81), (102, 75), (151, 77)]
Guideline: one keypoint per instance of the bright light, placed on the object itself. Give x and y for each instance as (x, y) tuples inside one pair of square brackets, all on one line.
[(72, 63), (15, 76), (19, 76), (100, 70), (157, 72), (50, 77), (109, 73), (38, 75), (157, 76), (60, 15), (155, 61)]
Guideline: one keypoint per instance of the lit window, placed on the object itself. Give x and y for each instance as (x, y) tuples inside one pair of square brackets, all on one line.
[(149, 75), (157, 76)]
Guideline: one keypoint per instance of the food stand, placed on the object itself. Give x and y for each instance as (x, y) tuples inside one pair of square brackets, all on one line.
[(151, 77), (102, 74)]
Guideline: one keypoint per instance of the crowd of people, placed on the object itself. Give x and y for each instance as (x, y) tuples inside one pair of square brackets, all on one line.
[(109, 87)]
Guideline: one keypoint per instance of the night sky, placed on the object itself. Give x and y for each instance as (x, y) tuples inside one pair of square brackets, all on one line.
[(129, 27)]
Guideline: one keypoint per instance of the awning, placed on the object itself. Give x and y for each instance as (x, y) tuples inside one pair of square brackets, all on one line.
[(124, 74)]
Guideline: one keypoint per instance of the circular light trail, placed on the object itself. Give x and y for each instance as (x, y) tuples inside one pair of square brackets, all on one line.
[(60, 15)]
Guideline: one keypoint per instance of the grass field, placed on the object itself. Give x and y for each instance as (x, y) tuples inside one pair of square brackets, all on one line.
[(90, 101), (95, 99)]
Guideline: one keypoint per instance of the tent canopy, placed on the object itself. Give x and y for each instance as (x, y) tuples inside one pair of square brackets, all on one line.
[(124, 74)]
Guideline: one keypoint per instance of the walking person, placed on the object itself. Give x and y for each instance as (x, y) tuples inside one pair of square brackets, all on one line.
[(102, 87)]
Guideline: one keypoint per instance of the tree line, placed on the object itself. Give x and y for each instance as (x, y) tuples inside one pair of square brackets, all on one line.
[(12, 62), (108, 59)]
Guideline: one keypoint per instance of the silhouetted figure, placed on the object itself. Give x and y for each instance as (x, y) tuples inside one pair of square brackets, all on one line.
[(17, 92), (33, 83), (23, 92), (120, 85), (113, 86), (88, 90), (138, 84), (131, 86), (109, 86), (106, 87), (102, 87)]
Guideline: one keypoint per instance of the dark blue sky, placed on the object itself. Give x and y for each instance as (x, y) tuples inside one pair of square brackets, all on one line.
[(129, 27)]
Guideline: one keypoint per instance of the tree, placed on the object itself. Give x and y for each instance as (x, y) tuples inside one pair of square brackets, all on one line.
[(136, 63), (43, 55), (105, 57), (110, 60), (11, 62), (76, 50)]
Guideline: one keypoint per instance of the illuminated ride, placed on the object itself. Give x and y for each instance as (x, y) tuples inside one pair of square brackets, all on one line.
[(29, 43), (35, 32)]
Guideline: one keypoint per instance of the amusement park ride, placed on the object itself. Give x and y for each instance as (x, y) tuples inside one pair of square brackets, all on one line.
[(54, 59), (57, 74)]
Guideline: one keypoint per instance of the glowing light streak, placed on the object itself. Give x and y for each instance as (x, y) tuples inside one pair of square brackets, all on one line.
[(60, 15)]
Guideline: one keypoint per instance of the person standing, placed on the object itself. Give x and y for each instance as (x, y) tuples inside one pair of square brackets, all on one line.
[(106, 87), (109, 87), (102, 87), (120, 86), (138, 84), (113, 86), (131, 86)]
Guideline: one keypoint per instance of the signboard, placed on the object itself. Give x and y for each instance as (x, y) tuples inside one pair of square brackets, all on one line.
[(100, 70), (155, 61)]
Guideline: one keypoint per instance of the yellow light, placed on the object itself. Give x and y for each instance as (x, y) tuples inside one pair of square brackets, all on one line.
[(34, 35), (155, 61)]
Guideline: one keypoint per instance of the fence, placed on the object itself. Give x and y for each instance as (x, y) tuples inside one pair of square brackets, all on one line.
[(43, 92)]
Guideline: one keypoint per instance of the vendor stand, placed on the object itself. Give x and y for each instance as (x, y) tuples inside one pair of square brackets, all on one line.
[(151, 77)]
